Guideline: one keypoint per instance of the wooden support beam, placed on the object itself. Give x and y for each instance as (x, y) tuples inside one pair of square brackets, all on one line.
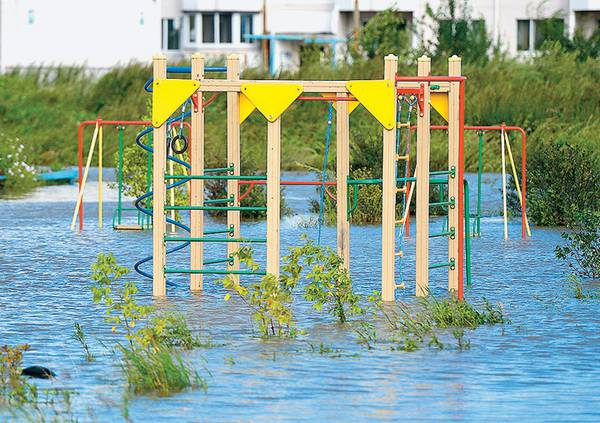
[(388, 218), (342, 171), (233, 159), (422, 171), (273, 195), (197, 185), (159, 158), (454, 69)]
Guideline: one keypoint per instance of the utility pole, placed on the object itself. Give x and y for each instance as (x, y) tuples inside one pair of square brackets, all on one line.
[(265, 42), (356, 23)]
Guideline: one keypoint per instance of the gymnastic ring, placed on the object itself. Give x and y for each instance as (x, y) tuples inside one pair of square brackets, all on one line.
[(184, 146)]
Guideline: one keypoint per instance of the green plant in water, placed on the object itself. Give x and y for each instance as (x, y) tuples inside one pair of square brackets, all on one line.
[(582, 248), (450, 312), (150, 362), (79, 336)]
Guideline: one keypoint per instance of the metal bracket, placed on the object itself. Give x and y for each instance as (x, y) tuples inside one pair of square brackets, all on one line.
[(419, 92), (195, 101)]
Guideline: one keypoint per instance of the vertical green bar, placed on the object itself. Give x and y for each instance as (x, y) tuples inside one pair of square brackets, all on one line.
[(479, 173), (149, 178), (119, 211), (467, 233)]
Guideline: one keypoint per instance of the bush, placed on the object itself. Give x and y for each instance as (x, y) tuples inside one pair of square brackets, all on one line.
[(562, 174), (384, 34), (582, 249), (20, 176)]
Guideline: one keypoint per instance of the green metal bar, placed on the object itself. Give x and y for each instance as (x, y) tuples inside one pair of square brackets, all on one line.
[(217, 261), (467, 234), (354, 200), (449, 233), (218, 201), (204, 239), (217, 208), (219, 169), (441, 172), (442, 203), (378, 181), (450, 264), (221, 231), (479, 174), (120, 128), (434, 87), (226, 177), (215, 271)]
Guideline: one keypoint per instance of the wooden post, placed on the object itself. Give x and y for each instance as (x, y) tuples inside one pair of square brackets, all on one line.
[(454, 69), (422, 171), (100, 165), (197, 185), (273, 193), (233, 158), (159, 288), (388, 218), (343, 169)]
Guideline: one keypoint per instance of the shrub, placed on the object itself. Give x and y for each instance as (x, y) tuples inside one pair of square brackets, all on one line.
[(562, 174), (582, 249), (20, 176)]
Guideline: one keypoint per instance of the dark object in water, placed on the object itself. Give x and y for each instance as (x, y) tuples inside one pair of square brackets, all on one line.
[(38, 372)]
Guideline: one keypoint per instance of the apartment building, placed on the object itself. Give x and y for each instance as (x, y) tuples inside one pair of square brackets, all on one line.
[(101, 34)]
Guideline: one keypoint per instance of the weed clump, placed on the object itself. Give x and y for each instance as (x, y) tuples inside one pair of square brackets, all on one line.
[(152, 360)]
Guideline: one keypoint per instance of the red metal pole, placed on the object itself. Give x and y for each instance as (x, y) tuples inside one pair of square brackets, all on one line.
[(80, 168), (523, 181), (461, 203)]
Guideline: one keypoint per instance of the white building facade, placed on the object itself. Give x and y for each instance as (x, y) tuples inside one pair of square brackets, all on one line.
[(102, 34)]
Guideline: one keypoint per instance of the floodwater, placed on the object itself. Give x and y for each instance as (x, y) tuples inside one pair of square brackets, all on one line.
[(542, 367)]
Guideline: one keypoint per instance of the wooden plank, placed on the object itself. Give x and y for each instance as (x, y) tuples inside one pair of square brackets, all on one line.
[(233, 158), (342, 172), (197, 185), (422, 170), (388, 218), (221, 85), (273, 193), (159, 287), (454, 69)]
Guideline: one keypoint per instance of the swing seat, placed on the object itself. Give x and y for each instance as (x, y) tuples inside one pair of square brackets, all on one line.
[(128, 228)]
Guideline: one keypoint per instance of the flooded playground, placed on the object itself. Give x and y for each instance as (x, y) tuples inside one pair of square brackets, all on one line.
[(540, 367)]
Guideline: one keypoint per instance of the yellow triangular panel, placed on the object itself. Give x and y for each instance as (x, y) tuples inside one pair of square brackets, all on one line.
[(271, 99), (246, 107), (439, 101), (351, 104), (168, 95), (378, 97)]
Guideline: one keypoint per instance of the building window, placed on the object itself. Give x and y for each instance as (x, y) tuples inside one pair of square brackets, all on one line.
[(225, 28), (192, 28), (208, 27), (172, 34), (523, 35), (246, 27)]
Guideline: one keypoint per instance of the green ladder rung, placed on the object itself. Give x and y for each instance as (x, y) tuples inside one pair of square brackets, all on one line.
[(219, 169), (215, 271), (204, 239), (446, 264), (235, 177), (217, 261), (218, 201), (220, 231), (442, 203), (439, 234), (217, 208)]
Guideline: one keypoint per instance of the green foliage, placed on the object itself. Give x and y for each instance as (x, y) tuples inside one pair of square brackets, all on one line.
[(582, 248), (562, 151), (457, 33), (427, 324), (79, 336), (20, 176), (328, 287), (384, 34), (150, 362)]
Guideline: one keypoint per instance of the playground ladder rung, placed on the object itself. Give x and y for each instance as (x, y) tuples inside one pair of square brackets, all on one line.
[(402, 157), (445, 264), (399, 254), (403, 125), (217, 177), (445, 233), (400, 285), (219, 169), (204, 239), (450, 203), (217, 208), (220, 231), (215, 271), (216, 261), (402, 189), (218, 201)]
